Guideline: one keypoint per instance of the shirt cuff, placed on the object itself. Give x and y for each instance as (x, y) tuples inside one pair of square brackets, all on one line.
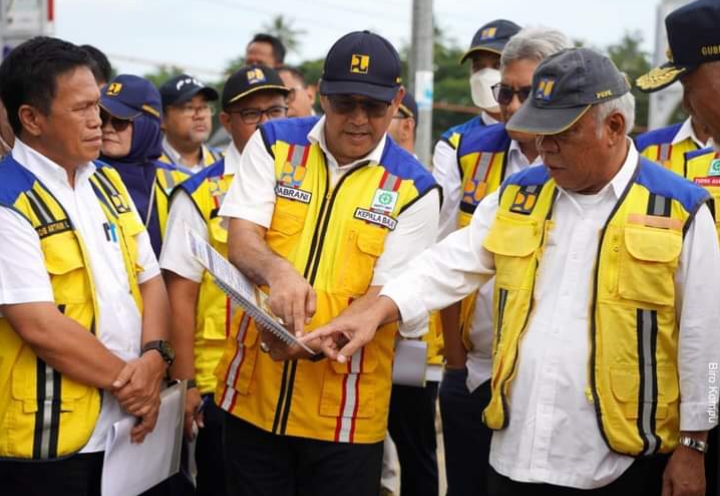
[(413, 315), (699, 416), (25, 295), (148, 273), (191, 271), (248, 213)]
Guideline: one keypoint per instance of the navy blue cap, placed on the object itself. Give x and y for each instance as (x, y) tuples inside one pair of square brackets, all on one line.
[(127, 96), (362, 63), (694, 38), (250, 79), (492, 37), (408, 106), (565, 86), (182, 88)]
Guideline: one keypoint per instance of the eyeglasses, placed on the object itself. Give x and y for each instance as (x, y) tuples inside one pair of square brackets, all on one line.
[(119, 125), (345, 104), (254, 115), (504, 94), (190, 110)]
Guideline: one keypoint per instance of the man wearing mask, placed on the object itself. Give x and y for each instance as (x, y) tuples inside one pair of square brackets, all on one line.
[(484, 158), (201, 321), (187, 122), (301, 98), (484, 54)]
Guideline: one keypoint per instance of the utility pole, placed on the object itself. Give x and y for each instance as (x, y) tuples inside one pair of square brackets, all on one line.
[(420, 75)]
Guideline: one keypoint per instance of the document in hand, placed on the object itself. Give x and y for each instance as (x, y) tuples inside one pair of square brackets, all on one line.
[(130, 469), (409, 366), (239, 288)]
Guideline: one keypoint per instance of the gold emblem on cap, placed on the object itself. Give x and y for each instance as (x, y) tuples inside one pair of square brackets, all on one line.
[(255, 76), (659, 77), (360, 64), (113, 89)]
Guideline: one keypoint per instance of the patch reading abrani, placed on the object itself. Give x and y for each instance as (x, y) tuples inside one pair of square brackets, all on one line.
[(375, 218), (293, 194)]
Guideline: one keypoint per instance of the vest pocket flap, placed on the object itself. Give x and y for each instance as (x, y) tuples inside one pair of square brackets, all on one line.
[(218, 231), (130, 224), (62, 253), (513, 238), (371, 243), (625, 383), (367, 364), (653, 245), (287, 222)]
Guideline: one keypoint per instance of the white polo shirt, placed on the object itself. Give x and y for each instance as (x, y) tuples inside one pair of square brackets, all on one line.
[(24, 278)]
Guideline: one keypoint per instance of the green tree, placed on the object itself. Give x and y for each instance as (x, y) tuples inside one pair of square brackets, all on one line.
[(634, 62), (283, 28), (162, 74)]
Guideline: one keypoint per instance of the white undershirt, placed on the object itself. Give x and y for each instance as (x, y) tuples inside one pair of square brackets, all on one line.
[(553, 435), (24, 278)]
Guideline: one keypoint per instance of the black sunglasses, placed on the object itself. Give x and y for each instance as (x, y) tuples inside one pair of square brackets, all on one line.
[(504, 94), (119, 125), (345, 104)]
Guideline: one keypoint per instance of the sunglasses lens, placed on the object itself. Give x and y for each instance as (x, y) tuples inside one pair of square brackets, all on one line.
[(505, 95)]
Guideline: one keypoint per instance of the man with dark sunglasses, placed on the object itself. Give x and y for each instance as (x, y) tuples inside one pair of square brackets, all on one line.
[(323, 211), (484, 158), (201, 321)]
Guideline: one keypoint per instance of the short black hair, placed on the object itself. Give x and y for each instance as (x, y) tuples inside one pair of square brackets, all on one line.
[(102, 70), (295, 72), (28, 75), (277, 45)]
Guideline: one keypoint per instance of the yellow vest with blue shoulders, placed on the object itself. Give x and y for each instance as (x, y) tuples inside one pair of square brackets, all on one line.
[(657, 146), (452, 136), (482, 159), (45, 415), (166, 178), (209, 157), (703, 168), (214, 310), (633, 331), (333, 236)]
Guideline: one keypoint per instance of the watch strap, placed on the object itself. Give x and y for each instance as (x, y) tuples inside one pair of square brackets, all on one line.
[(694, 444)]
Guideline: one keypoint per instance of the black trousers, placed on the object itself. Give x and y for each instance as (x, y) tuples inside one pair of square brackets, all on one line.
[(412, 428), (643, 478), (466, 438), (77, 475), (259, 463), (209, 452)]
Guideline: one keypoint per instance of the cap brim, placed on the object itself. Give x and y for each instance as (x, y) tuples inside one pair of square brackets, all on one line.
[(544, 121), (118, 109), (661, 77), (255, 89), (206, 91), (492, 47), (382, 93)]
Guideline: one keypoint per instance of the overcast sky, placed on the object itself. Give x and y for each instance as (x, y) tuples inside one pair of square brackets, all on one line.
[(203, 35)]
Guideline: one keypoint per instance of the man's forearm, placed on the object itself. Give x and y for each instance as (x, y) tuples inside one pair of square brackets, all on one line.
[(183, 303), (454, 349), (249, 252), (156, 311)]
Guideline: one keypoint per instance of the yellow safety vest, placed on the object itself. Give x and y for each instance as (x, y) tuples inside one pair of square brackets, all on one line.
[(452, 136), (333, 236), (167, 177), (209, 157), (482, 158), (43, 414), (214, 310), (632, 369), (657, 146), (703, 168)]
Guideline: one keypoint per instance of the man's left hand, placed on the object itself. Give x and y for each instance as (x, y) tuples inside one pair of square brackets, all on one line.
[(685, 473), (137, 387), (281, 352)]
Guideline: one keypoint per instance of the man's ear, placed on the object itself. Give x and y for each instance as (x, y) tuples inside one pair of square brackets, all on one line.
[(31, 119), (312, 93), (616, 127), (224, 119)]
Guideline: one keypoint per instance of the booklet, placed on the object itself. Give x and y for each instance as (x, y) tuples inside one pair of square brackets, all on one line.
[(240, 289), (130, 469)]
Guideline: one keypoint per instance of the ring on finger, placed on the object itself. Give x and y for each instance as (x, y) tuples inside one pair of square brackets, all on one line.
[(264, 347)]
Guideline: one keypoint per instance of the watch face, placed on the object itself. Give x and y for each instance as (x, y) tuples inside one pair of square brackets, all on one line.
[(167, 350)]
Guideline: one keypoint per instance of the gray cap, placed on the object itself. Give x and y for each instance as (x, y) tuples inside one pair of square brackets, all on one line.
[(565, 86)]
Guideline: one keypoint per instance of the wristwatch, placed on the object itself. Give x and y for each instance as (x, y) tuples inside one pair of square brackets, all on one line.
[(163, 347), (694, 444)]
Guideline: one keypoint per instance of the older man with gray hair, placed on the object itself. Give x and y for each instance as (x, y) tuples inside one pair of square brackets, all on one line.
[(485, 156), (606, 272)]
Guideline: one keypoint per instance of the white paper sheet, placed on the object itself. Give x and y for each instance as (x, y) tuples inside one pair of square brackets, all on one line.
[(410, 363)]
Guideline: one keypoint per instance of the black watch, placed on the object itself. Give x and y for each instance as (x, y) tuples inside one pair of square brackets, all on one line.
[(163, 347)]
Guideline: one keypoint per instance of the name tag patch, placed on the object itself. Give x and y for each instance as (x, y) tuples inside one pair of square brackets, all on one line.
[(54, 228), (707, 181), (375, 218), (293, 194)]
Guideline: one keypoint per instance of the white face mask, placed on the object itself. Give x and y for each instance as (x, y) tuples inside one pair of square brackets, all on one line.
[(480, 84)]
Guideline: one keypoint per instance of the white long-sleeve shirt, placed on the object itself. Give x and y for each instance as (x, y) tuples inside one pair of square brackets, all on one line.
[(553, 435)]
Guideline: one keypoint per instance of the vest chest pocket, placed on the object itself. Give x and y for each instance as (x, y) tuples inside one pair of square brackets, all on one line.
[(647, 266), (514, 244), (287, 223), (131, 227), (66, 266), (349, 389), (360, 248)]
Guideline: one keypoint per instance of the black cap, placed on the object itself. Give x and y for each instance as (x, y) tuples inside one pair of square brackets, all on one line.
[(362, 63), (248, 80), (565, 86), (183, 88), (694, 38), (492, 37), (408, 106)]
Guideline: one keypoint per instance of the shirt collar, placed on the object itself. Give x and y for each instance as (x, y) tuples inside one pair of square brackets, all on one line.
[(317, 136), (515, 149), (232, 160), (685, 132), (175, 156), (45, 169)]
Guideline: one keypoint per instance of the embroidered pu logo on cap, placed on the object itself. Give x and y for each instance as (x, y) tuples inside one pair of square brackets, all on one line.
[(488, 34), (360, 64), (545, 89), (255, 76), (113, 89)]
